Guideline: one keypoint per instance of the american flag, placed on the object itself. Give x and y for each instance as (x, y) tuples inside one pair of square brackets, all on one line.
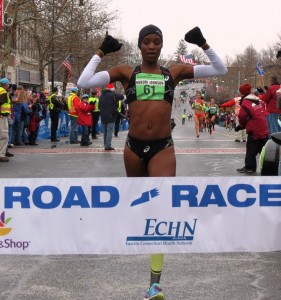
[(67, 64), (187, 59)]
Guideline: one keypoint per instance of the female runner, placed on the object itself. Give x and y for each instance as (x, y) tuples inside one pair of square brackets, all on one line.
[(149, 148)]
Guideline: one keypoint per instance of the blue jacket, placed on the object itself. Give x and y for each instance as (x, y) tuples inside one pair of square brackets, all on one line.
[(20, 110)]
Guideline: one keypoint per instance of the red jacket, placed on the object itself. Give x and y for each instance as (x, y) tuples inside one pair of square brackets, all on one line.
[(252, 117), (84, 110), (270, 98), (34, 122)]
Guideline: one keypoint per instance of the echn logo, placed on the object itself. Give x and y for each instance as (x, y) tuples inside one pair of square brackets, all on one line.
[(165, 232)]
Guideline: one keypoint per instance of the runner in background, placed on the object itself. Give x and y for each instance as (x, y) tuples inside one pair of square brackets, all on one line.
[(199, 115), (211, 113)]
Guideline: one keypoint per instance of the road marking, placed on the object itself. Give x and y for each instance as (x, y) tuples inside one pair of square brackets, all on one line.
[(120, 151)]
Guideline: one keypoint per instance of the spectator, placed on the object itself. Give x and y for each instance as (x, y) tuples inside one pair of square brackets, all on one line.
[(55, 108), (119, 116), (21, 116), (108, 112), (273, 112), (252, 117), (5, 111), (95, 113), (84, 113), (183, 118), (73, 102), (33, 126)]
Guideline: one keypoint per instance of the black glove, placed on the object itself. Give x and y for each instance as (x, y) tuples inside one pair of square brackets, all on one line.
[(237, 128), (110, 44), (195, 36), (260, 90), (278, 54)]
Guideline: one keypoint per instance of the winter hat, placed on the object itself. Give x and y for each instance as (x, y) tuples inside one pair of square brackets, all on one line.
[(149, 29), (5, 81), (85, 96), (245, 89), (74, 89), (110, 86)]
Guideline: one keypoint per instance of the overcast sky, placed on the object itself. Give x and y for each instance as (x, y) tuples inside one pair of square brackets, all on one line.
[(229, 26)]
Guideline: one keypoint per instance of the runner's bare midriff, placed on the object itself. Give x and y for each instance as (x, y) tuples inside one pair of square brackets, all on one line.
[(150, 120)]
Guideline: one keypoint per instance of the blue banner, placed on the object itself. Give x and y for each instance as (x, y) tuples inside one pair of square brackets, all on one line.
[(64, 126)]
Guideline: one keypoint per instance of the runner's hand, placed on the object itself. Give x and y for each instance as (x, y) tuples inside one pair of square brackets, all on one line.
[(109, 45), (195, 36)]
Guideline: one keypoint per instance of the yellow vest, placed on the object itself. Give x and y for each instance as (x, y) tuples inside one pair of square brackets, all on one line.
[(96, 101), (51, 105), (6, 108), (119, 106), (70, 105)]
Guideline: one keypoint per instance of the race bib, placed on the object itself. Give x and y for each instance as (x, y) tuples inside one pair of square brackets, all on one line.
[(150, 86)]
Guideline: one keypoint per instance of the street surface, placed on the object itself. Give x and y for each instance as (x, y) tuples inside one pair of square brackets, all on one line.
[(215, 276)]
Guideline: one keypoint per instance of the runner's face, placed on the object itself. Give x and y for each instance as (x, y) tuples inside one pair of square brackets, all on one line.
[(151, 47)]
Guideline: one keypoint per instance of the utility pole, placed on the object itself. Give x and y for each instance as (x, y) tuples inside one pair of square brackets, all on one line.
[(53, 48)]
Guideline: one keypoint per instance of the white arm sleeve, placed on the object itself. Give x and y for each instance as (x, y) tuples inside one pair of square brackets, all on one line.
[(217, 67), (90, 79)]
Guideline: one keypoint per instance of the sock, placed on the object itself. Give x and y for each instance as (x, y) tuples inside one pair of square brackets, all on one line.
[(156, 266)]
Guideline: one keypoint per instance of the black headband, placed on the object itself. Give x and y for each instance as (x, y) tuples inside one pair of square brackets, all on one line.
[(149, 29)]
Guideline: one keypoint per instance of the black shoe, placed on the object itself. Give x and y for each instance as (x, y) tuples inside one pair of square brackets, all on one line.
[(33, 144), (19, 144), (94, 137), (245, 170), (109, 148), (75, 142), (244, 141), (84, 145), (56, 140), (26, 143), (90, 143), (237, 140), (8, 154), (4, 159), (249, 171)]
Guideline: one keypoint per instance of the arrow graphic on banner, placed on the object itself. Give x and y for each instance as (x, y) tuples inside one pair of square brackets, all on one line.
[(146, 196)]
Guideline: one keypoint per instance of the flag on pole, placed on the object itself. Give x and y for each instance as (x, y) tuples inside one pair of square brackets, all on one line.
[(260, 69), (187, 59), (67, 64)]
